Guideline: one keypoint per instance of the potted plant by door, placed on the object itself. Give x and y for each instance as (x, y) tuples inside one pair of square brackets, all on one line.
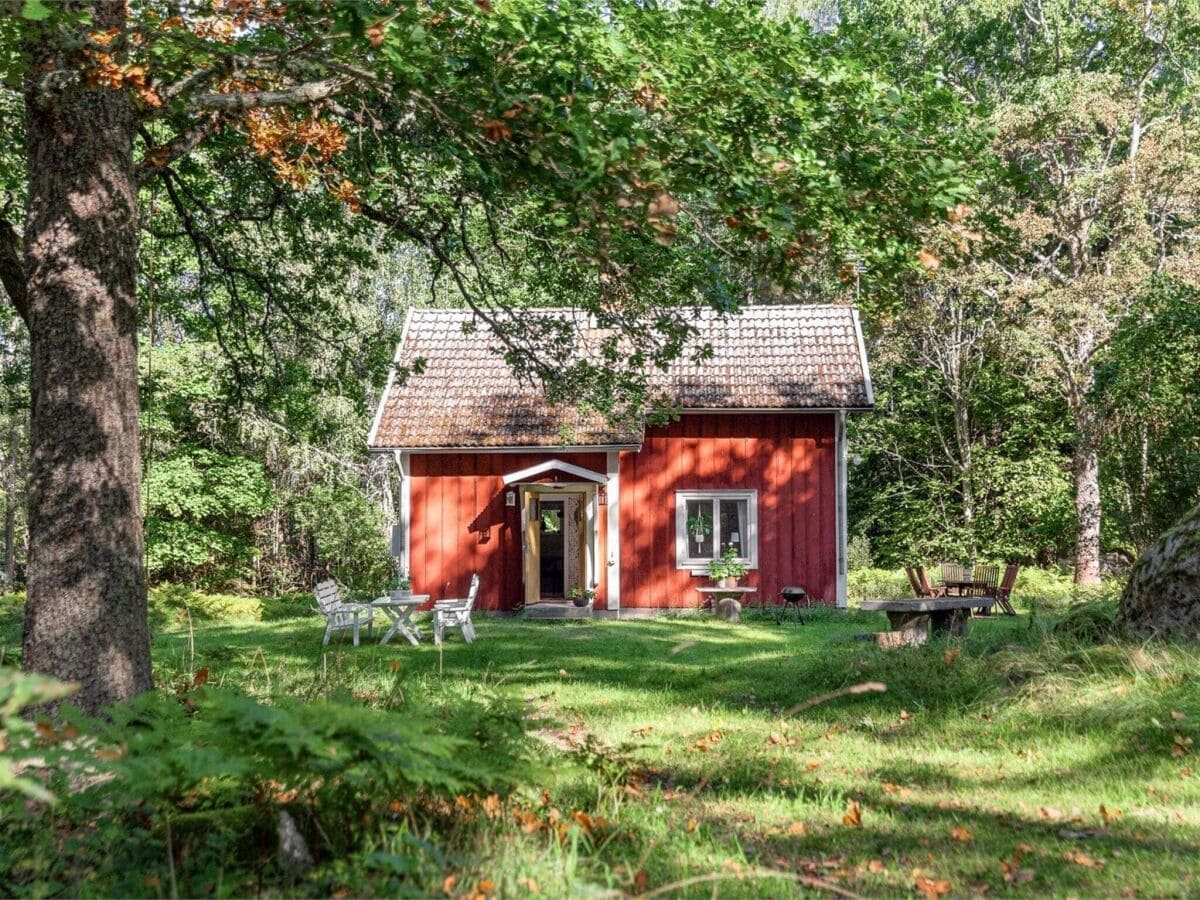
[(727, 570), (581, 597), (699, 527)]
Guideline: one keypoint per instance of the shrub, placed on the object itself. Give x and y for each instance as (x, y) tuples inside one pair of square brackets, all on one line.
[(858, 553)]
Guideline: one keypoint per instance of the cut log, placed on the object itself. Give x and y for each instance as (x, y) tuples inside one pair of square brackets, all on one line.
[(1162, 597)]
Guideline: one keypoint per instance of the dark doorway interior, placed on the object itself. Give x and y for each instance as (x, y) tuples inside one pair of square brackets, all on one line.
[(552, 522)]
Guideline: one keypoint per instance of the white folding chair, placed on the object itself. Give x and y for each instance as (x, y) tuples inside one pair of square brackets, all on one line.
[(456, 614), (341, 616)]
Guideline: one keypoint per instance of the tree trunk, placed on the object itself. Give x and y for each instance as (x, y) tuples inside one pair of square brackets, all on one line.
[(10, 503), (1087, 495), (85, 618), (1162, 598)]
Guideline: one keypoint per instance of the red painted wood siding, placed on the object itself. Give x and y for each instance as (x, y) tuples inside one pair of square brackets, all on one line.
[(788, 458), (459, 525)]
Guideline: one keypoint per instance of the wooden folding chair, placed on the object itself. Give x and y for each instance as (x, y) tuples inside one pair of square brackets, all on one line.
[(1004, 591), (984, 580), (925, 589)]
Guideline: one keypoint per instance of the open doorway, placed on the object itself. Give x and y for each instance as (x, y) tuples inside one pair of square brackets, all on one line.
[(552, 525), (557, 532)]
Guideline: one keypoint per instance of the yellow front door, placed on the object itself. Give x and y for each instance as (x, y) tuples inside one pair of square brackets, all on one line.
[(532, 544)]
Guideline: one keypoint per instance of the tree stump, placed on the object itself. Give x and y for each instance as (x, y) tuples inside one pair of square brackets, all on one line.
[(1162, 597), (728, 608)]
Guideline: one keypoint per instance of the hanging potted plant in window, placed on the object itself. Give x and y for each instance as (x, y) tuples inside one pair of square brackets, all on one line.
[(727, 570), (699, 527)]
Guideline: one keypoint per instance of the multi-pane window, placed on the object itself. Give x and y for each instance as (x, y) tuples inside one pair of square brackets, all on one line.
[(707, 523)]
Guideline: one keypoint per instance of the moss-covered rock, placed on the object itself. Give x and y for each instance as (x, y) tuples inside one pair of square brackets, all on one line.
[(1162, 597)]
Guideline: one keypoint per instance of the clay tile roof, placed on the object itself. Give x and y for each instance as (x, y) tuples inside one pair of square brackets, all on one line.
[(766, 357)]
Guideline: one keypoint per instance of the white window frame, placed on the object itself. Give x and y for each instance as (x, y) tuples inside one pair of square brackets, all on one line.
[(683, 558)]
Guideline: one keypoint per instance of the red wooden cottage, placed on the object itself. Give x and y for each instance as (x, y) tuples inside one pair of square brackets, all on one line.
[(756, 462)]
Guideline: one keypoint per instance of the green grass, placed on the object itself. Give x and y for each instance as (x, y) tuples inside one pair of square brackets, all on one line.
[(675, 732)]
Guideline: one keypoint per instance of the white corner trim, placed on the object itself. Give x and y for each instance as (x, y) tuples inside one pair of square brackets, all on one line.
[(841, 509), (403, 463), (613, 537), (862, 355), (552, 465), (387, 388)]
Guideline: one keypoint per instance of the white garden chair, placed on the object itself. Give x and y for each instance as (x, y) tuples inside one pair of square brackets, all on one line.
[(456, 614), (339, 615)]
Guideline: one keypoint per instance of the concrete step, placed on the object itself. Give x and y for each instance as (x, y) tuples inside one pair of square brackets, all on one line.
[(557, 611)]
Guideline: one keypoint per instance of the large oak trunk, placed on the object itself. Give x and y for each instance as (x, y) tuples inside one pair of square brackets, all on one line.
[(1162, 598), (85, 617)]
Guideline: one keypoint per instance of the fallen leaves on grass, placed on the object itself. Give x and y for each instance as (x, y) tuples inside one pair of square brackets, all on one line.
[(448, 884), (529, 884), (853, 816), (563, 673), (962, 835), (707, 742), (1181, 746), (930, 888), (1177, 715), (200, 677), (950, 655), (1109, 816), (640, 879), (1082, 859), (780, 739), (643, 729), (692, 825), (876, 866), (681, 646), (1012, 870)]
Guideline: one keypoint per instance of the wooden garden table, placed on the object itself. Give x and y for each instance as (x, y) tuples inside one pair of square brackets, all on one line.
[(399, 608)]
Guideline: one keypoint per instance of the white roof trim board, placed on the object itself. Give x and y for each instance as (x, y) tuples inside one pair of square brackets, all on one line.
[(552, 465)]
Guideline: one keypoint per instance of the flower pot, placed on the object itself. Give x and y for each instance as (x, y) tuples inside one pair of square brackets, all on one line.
[(727, 582), (582, 600), (401, 595)]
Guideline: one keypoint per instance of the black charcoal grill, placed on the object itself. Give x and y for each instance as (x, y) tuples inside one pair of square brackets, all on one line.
[(793, 598)]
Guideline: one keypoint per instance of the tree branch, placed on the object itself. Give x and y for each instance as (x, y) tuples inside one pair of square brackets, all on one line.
[(299, 95), (12, 270)]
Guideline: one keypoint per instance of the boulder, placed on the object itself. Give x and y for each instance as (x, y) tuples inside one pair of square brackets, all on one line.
[(1162, 597)]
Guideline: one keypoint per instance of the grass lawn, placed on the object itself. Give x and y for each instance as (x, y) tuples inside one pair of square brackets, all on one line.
[(1008, 762)]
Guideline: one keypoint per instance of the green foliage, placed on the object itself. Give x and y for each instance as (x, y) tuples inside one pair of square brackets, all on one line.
[(1150, 385), (201, 509), (18, 692), (727, 566), (204, 776), (858, 553), (348, 528)]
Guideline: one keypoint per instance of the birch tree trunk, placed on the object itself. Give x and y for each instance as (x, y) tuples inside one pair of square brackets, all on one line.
[(1087, 495), (85, 617)]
